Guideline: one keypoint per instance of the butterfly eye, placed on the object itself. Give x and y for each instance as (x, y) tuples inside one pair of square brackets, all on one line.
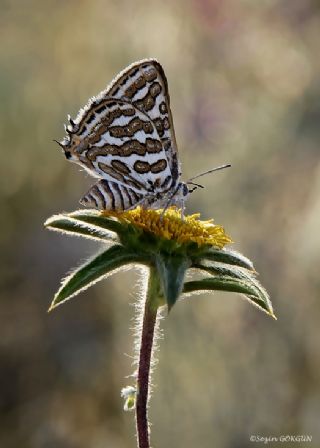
[(67, 154), (185, 190)]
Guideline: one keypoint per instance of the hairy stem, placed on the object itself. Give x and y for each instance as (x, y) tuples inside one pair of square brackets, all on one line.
[(145, 357)]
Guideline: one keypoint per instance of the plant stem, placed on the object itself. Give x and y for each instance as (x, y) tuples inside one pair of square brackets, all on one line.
[(145, 356)]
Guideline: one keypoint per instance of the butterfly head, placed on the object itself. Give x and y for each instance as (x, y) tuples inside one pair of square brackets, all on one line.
[(71, 144), (69, 149), (180, 194)]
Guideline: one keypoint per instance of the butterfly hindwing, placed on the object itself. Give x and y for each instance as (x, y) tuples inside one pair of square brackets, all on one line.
[(110, 196), (123, 146)]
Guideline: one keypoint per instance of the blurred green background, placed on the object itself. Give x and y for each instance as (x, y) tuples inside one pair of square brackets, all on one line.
[(245, 89)]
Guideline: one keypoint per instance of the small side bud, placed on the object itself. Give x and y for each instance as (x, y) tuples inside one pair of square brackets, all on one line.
[(129, 393)]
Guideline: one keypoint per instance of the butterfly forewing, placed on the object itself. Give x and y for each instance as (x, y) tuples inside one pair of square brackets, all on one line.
[(125, 136), (145, 85), (125, 147)]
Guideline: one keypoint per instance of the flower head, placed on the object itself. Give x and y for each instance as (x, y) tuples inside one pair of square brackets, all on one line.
[(165, 243), (171, 226)]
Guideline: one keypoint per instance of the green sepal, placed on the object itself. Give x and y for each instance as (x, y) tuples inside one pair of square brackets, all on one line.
[(94, 270), (229, 257), (70, 226), (171, 270), (129, 393), (256, 295)]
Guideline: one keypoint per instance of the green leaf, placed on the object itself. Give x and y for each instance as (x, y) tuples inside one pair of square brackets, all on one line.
[(229, 257), (96, 219), (94, 270), (235, 272), (217, 268), (256, 295), (171, 270), (67, 225)]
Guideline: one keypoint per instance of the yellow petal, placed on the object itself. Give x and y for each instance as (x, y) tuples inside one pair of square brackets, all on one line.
[(171, 226)]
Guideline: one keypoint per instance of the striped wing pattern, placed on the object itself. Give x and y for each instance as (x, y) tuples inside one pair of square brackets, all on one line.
[(107, 195), (125, 137)]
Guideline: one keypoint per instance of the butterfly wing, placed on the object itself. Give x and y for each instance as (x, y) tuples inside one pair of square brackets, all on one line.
[(125, 135), (144, 85), (123, 147), (110, 196)]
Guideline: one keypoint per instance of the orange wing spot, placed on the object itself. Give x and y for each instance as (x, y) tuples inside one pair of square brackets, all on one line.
[(159, 166), (153, 146), (163, 108), (121, 167), (134, 126), (117, 131), (109, 170), (147, 127), (129, 112), (150, 74), (141, 167), (141, 82), (166, 124), (148, 103), (155, 89)]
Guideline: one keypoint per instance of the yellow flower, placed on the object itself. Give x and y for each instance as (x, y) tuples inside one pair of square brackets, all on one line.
[(168, 246), (171, 226)]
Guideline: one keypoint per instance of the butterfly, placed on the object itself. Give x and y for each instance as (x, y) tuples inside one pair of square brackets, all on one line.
[(125, 137)]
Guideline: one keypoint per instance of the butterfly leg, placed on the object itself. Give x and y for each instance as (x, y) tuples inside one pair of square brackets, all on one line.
[(181, 201), (136, 204), (170, 200)]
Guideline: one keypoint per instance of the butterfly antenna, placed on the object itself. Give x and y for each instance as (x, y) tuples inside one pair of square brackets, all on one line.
[(209, 171)]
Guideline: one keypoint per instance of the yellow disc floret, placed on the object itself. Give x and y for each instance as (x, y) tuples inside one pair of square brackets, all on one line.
[(170, 225)]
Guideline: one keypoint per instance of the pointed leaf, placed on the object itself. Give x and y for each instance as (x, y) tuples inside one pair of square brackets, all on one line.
[(217, 268), (232, 271), (229, 257), (94, 270), (236, 272), (171, 270), (65, 224), (96, 219), (257, 296)]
